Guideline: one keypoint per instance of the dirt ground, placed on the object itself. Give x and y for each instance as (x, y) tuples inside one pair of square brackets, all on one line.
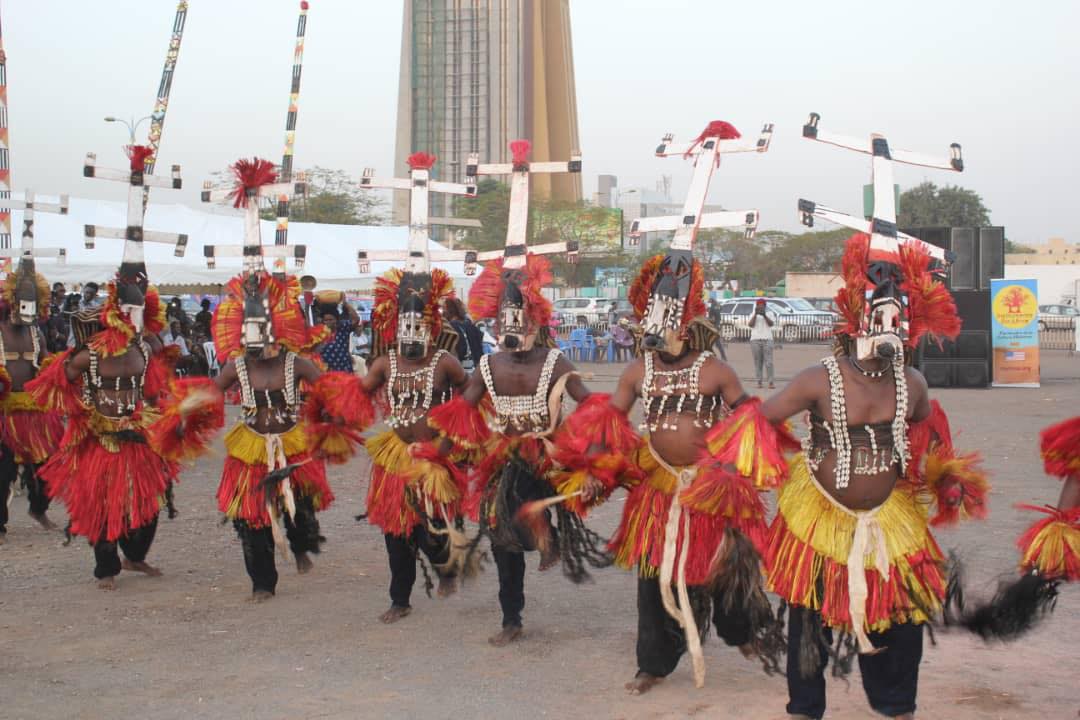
[(191, 645)]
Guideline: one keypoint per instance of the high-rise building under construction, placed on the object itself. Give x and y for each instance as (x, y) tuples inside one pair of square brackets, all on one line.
[(476, 74)]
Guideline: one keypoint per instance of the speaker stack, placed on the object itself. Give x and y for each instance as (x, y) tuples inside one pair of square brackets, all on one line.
[(978, 256)]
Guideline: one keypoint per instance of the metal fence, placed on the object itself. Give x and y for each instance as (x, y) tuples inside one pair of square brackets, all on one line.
[(1057, 332)]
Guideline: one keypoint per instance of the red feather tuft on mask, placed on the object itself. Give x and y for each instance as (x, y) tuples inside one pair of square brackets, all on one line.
[(138, 155), (421, 161), (520, 150), (250, 175)]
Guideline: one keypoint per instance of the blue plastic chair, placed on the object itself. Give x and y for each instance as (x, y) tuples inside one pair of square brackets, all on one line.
[(589, 347), (577, 342)]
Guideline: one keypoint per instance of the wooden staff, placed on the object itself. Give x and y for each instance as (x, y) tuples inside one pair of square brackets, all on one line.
[(285, 175)]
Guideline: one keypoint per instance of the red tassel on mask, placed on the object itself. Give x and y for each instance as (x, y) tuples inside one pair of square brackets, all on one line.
[(421, 161), (250, 175), (520, 150), (138, 155)]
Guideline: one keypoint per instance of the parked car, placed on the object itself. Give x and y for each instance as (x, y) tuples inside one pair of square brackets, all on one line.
[(590, 310), (1050, 314), (796, 319)]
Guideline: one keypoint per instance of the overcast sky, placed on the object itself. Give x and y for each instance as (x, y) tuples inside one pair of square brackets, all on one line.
[(1001, 78)]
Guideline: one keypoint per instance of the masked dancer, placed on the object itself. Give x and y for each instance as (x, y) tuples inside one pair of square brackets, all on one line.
[(275, 472), (690, 554), (29, 434)]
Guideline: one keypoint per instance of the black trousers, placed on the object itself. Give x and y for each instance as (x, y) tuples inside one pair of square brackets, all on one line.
[(9, 475), (302, 532), (890, 678), (661, 641), (135, 545), (511, 567), (401, 552)]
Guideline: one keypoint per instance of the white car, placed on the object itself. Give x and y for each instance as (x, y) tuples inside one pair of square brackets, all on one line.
[(797, 319), (576, 310)]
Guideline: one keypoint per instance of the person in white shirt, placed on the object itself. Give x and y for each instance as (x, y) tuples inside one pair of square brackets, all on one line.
[(761, 341), (175, 337)]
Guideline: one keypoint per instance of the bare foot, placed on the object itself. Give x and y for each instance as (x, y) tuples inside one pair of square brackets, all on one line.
[(642, 683), (905, 716), (108, 583), (748, 651), (142, 567), (447, 586), (261, 596), (507, 635), (44, 521), (303, 563), (3, 538), (395, 613)]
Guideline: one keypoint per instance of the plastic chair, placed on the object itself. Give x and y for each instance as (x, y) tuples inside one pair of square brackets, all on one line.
[(577, 342), (589, 346)]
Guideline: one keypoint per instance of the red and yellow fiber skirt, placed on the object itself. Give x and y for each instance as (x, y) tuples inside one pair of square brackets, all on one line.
[(240, 493), (110, 486), (811, 540), (638, 544), (31, 433), (404, 479)]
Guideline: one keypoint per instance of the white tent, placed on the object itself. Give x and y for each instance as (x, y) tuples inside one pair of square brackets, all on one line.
[(331, 249)]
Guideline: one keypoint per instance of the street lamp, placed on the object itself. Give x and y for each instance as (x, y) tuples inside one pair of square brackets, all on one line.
[(131, 125)]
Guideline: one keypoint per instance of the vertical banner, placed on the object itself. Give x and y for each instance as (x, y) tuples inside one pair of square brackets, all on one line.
[(1014, 307)]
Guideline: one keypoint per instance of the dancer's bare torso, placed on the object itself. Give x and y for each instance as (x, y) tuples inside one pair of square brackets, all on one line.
[(681, 399), (20, 353), (267, 377), (415, 386), (868, 402)]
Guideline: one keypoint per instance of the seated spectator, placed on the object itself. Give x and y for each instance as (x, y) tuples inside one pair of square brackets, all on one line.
[(175, 311), (623, 339), (200, 365)]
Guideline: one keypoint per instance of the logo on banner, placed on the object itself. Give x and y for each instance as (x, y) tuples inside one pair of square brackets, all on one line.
[(1015, 307)]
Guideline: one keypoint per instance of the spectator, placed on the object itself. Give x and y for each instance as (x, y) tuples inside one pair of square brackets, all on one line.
[(470, 347), (761, 341), (87, 301), (204, 317), (715, 319), (623, 339), (56, 327), (200, 365), (335, 352), (175, 336), (175, 311), (612, 315)]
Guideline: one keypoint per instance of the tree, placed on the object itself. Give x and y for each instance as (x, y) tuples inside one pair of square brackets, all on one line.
[(926, 205), (332, 198), (491, 207), (1014, 248)]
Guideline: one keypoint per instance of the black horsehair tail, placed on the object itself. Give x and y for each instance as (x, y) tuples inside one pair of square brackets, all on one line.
[(737, 580), (1015, 609), (578, 546)]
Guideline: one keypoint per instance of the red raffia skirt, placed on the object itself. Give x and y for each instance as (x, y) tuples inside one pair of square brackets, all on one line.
[(240, 493), (810, 542), (110, 485), (31, 433), (638, 543), (404, 482)]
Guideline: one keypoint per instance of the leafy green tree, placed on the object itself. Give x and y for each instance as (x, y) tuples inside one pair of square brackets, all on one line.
[(491, 207), (953, 206)]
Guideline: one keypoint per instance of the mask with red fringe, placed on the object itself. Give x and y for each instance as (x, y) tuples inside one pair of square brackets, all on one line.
[(281, 297), (514, 298), (408, 309), (667, 295), (891, 302)]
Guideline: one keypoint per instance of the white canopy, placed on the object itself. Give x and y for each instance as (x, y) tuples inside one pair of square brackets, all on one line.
[(331, 249)]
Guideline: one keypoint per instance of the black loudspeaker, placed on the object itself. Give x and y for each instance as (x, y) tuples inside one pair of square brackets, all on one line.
[(973, 345), (971, 373), (973, 307), (963, 275), (991, 255), (938, 373)]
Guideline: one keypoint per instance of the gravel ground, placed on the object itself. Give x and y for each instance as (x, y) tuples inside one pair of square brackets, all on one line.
[(191, 645)]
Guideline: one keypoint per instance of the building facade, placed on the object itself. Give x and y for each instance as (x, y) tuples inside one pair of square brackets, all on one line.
[(476, 74), (1054, 252)]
